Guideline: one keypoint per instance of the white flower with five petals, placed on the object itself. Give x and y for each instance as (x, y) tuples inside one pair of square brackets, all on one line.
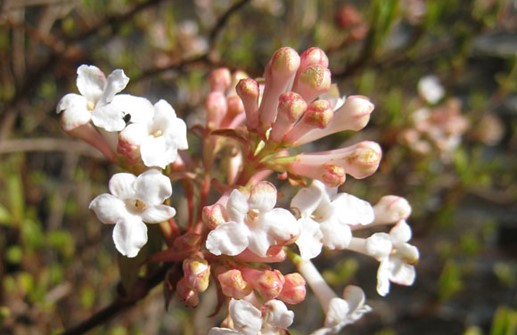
[(159, 138), (253, 223), (133, 201), (326, 217), (99, 102)]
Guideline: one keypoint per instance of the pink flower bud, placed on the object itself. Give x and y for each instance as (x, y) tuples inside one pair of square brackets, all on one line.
[(186, 294), (291, 107), (233, 284), (279, 75), (214, 215), (267, 283), (391, 209), (312, 82), (317, 115), (294, 289), (196, 271), (248, 90), (313, 56), (235, 107), (216, 108), (220, 80)]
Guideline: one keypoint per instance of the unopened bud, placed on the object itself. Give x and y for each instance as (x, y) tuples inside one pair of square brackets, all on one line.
[(312, 82), (248, 90), (267, 283), (294, 289), (333, 175), (391, 209), (186, 294), (364, 161), (214, 215), (233, 284), (313, 56), (216, 108), (291, 107), (220, 80), (197, 272)]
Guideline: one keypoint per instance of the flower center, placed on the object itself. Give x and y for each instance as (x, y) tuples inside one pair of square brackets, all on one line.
[(136, 205), (252, 217), (90, 106), (157, 133)]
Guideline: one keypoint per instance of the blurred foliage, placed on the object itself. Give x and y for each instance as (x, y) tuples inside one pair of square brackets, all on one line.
[(58, 264)]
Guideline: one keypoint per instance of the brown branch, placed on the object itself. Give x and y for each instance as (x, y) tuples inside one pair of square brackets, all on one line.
[(47, 144)]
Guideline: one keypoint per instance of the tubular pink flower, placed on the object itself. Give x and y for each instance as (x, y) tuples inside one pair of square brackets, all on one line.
[(220, 80), (216, 108), (279, 76), (291, 107), (317, 116), (354, 114), (360, 161), (339, 312), (248, 90)]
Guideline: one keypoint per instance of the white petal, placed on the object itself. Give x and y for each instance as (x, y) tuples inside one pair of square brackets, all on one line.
[(353, 210), (108, 208), (281, 224), (309, 241), (157, 214), (308, 199), (130, 235), (90, 82), (237, 206), (75, 112), (140, 109), (153, 187), (121, 185), (228, 239), (355, 297), (116, 82), (260, 241), (222, 331), (383, 278), (246, 318), (277, 315), (336, 236), (179, 134), (164, 110), (401, 273), (154, 152), (337, 314), (401, 232), (134, 133), (263, 196), (379, 245), (108, 117)]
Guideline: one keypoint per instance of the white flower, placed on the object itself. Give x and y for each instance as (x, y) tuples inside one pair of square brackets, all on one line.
[(133, 201), (99, 103), (326, 217), (430, 89), (398, 265), (339, 312), (253, 223), (159, 138), (249, 320)]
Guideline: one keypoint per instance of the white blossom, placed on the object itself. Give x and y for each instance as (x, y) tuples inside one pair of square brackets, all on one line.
[(131, 202), (253, 223), (159, 138), (326, 217)]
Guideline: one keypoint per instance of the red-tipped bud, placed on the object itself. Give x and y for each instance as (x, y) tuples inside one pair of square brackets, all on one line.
[(233, 284), (312, 82), (313, 56), (294, 289), (214, 215), (318, 115), (291, 107)]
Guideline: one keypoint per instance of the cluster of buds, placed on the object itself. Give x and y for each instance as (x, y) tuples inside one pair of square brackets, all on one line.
[(254, 129)]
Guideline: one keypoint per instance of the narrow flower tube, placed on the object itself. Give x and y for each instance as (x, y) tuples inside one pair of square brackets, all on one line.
[(90, 135), (317, 116), (220, 80), (248, 90), (216, 108), (279, 76), (291, 107), (359, 160), (354, 114)]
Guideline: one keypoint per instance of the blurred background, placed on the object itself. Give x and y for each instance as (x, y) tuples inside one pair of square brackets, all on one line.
[(443, 77)]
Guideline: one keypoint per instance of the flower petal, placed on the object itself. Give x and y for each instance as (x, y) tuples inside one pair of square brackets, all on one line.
[(109, 117), (401, 273), (108, 208), (336, 236), (130, 235), (157, 214), (90, 82), (260, 241), (154, 152), (75, 111), (140, 109), (277, 315), (263, 196), (247, 319), (237, 206), (223, 331), (310, 240), (337, 312), (280, 224), (353, 210), (121, 185), (379, 245), (153, 187), (307, 200), (116, 82), (401, 232), (228, 239)]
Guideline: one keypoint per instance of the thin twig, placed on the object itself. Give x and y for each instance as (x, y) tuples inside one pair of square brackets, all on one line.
[(48, 144)]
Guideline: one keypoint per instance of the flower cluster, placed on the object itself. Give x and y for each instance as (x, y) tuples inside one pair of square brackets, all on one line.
[(239, 224)]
